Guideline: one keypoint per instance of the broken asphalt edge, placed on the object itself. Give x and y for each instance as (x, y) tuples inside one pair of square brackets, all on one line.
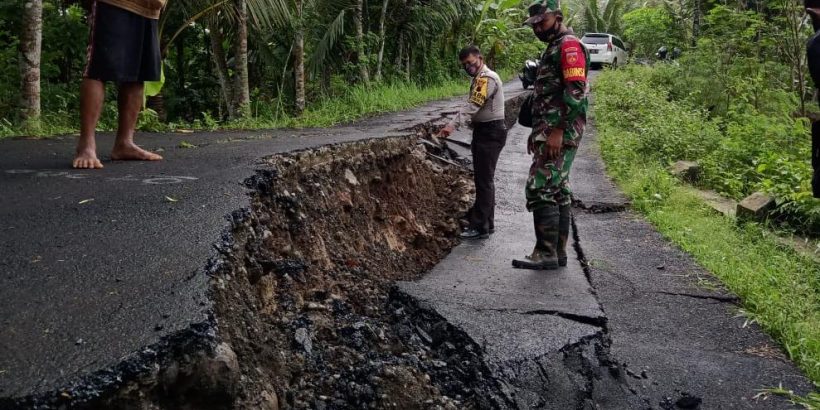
[(198, 339)]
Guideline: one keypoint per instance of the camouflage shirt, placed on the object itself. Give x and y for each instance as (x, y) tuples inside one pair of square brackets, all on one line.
[(560, 99)]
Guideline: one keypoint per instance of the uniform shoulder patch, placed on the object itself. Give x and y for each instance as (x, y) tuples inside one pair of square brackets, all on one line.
[(478, 95), (573, 61)]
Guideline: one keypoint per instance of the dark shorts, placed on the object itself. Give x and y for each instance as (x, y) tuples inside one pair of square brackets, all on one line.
[(122, 46)]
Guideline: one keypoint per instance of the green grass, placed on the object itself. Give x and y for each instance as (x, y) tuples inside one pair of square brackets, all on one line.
[(779, 288), (357, 102)]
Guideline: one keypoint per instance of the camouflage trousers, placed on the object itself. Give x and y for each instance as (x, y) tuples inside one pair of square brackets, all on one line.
[(548, 182)]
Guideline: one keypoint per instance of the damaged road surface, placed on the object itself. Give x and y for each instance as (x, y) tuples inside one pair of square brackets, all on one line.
[(543, 334), (631, 322), (304, 296), (105, 275), (338, 284)]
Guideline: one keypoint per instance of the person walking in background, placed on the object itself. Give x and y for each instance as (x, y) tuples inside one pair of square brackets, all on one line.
[(484, 111), (123, 48), (559, 113)]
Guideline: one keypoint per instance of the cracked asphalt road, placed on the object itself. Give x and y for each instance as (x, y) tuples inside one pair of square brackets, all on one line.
[(673, 334), (97, 265), (86, 280)]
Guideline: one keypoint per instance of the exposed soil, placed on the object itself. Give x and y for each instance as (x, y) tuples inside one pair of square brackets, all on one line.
[(305, 298)]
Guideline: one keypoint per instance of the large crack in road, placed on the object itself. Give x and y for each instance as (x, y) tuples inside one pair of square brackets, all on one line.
[(341, 286)]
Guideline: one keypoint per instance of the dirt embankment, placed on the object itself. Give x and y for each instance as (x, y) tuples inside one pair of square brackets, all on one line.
[(305, 298), (306, 315)]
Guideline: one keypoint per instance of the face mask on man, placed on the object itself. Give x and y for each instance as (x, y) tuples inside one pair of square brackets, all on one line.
[(472, 69), (547, 35)]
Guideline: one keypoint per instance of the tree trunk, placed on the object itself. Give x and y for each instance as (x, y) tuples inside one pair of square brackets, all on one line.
[(181, 62), (221, 64), (31, 49), (243, 91), (696, 23), (299, 62), (382, 40), (361, 61), (400, 53), (407, 75), (327, 75)]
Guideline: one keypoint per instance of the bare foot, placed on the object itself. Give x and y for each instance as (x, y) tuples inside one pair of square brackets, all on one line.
[(131, 152), (87, 159)]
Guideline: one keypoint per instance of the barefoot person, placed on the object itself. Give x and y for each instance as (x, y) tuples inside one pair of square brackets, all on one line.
[(123, 48)]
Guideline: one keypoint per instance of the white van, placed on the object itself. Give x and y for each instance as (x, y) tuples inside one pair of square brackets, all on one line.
[(605, 49)]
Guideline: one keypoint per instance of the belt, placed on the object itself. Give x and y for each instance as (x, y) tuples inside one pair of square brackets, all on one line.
[(490, 124)]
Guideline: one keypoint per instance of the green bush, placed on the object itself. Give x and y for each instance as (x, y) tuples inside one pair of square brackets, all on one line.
[(750, 147), (642, 129), (649, 28)]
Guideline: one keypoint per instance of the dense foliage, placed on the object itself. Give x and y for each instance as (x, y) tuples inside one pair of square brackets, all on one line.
[(742, 150), (735, 104), (301, 54), (646, 122)]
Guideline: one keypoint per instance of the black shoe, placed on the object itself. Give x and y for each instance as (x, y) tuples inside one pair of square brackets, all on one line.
[(473, 233), (535, 265), (492, 231), (562, 261)]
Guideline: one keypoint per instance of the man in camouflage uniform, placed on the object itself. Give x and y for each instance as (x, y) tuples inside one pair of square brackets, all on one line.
[(559, 112)]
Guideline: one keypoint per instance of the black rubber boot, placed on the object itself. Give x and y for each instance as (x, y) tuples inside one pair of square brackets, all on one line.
[(563, 233), (545, 254)]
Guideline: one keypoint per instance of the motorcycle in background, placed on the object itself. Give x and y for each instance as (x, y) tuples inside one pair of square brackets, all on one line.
[(528, 73)]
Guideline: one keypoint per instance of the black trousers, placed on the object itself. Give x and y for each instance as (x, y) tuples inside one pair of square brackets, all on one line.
[(488, 141), (815, 158)]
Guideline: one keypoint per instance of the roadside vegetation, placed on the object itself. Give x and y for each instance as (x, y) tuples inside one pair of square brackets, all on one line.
[(780, 289), (737, 106), (306, 63)]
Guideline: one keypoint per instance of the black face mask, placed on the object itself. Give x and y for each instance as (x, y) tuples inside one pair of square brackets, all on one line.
[(472, 69), (549, 34)]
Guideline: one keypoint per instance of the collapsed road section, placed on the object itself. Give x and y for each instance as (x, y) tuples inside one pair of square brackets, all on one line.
[(304, 298), (305, 312), (340, 286)]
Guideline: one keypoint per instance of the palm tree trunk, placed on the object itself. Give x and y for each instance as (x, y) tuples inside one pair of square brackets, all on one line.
[(243, 91), (382, 39), (407, 75), (181, 62), (400, 54), (695, 23), (31, 43), (358, 17), (299, 62), (221, 63)]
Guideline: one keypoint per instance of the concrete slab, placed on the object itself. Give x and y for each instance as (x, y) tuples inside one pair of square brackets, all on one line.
[(592, 189), (517, 314)]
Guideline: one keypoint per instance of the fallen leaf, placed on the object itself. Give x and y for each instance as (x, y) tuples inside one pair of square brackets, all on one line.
[(169, 199), (186, 144), (85, 201)]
